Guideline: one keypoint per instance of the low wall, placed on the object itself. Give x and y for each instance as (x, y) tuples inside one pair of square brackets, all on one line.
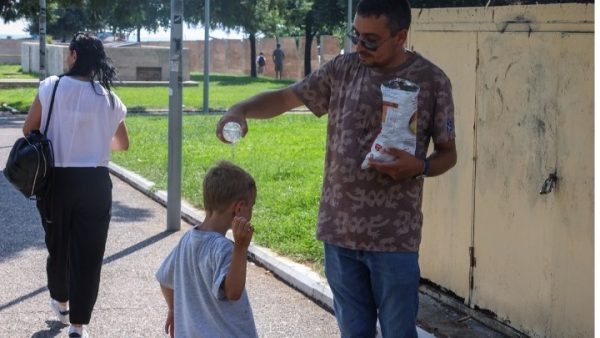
[(10, 51), (133, 63), (232, 56), (228, 56), (10, 59)]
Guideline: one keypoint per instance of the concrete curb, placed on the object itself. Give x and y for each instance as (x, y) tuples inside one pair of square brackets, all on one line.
[(297, 275)]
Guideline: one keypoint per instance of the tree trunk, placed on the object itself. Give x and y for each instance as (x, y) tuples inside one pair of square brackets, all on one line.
[(139, 29), (252, 38), (308, 38)]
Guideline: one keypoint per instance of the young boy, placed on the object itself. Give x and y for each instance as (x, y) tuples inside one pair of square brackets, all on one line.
[(203, 279)]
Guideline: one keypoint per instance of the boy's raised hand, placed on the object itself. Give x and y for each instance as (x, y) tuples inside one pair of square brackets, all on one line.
[(170, 324), (235, 281), (242, 231)]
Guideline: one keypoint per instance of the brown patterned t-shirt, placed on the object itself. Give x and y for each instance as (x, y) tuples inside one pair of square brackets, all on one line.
[(363, 209)]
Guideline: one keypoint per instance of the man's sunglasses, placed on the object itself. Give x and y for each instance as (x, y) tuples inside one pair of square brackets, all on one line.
[(370, 46)]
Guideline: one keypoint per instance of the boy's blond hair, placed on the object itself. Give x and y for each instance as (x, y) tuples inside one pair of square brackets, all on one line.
[(225, 184)]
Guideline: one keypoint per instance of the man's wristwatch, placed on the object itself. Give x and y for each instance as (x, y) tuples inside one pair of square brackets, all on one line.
[(425, 172)]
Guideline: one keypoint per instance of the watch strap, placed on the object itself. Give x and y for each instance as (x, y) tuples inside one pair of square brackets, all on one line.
[(425, 171), (425, 167)]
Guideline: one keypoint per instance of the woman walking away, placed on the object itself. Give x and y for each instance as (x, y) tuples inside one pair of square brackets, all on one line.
[(87, 122)]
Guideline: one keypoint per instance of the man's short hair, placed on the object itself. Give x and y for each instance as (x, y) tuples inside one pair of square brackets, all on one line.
[(225, 184), (397, 12)]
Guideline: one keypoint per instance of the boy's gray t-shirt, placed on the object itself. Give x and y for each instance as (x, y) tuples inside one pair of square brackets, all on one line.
[(195, 270)]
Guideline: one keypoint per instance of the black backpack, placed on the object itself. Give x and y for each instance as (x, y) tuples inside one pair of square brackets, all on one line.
[(31, 159), (261, 61)]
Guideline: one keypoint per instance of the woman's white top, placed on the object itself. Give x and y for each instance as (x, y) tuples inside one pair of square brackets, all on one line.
[(83, 121)]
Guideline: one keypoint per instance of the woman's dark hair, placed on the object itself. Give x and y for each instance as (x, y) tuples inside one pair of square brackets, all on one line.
[(92, 61), (397, 12)]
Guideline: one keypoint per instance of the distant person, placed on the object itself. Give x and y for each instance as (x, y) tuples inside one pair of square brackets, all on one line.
[(203, 279), (261, 62), (87, 122), (278, 57)]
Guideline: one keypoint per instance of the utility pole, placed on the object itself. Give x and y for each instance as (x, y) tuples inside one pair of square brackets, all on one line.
[(206, 52), (348, 46), (175, 117), (42, 33)]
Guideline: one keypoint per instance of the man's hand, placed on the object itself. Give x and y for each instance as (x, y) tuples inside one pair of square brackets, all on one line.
[(403, 166), (231, 116), (242, 232), (262, 106), (170, 324)]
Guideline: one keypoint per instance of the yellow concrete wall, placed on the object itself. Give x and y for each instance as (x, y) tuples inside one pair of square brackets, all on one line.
[(523, 85), (448, 216)]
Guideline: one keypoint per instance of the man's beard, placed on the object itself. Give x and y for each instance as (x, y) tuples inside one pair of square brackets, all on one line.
[(367, 60)]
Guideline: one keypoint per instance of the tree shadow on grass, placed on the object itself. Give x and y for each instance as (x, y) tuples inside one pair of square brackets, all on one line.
[(236, 80)]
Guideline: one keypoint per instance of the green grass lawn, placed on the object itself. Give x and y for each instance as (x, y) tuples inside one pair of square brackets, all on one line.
[(285, 155), (15, 72), (224, 91)]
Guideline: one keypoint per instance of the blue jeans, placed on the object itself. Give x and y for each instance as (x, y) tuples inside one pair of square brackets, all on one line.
[(367, 283)]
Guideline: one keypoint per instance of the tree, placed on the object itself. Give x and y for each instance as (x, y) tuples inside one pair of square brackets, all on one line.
[(312, 18), (65, 17), (62, 22), (11, 10), (251, 16), (126, 16)]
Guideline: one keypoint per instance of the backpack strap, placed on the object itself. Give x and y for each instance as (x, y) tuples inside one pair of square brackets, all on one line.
[(51, 105)]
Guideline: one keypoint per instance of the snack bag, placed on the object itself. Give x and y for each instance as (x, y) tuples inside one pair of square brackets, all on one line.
[(399, 121)]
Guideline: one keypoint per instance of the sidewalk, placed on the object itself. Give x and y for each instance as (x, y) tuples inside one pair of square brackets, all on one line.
[(130, 303)]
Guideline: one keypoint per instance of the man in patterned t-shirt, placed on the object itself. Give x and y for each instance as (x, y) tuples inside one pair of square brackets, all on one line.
[(370, 219)]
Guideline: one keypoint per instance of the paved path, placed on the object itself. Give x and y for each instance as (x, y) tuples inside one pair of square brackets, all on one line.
[(130, 303)]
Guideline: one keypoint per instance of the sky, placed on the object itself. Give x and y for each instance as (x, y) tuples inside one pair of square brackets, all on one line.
[(15, 30)]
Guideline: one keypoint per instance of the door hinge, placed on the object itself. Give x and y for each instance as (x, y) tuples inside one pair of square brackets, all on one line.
[(472, 256)]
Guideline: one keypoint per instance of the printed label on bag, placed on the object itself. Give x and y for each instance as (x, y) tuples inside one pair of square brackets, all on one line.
[(399, 120)]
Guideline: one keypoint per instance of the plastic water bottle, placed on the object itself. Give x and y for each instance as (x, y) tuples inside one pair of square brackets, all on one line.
[(232, 132)]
